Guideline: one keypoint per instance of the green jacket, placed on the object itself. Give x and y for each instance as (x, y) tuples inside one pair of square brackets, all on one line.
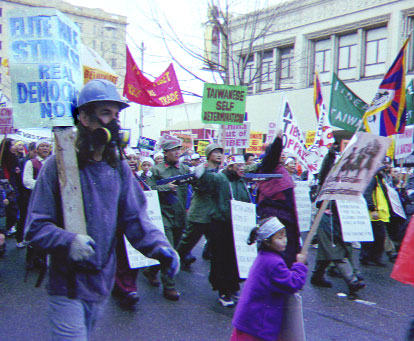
[(203, 205), (172, 203), (219, 185)]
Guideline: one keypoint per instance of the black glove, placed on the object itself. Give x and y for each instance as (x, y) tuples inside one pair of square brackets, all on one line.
[(169, 260)]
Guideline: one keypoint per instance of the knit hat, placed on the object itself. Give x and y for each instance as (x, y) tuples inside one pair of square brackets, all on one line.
[(158, 154), (268, 229), (40, 142), (147, 159)]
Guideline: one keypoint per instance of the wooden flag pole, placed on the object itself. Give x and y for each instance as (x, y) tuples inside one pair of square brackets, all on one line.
[(314, 228), (69, 181)]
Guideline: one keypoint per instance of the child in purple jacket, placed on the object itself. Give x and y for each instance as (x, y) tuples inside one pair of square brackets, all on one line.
[(259, 313)]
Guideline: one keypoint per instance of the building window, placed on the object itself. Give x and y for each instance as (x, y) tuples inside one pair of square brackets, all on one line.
[(1, 12), (113, 48), (266, 71), (94, 44), (113, 62), (248, 74), (322, 59), (410, 47), (286, 67), (1, 28), (347, 56), (375, 51)]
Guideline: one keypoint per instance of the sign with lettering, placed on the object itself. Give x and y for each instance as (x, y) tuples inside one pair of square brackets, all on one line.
[(223, 104), (303, 205), (355, 222), (6, 121), (243, 216), (404, 143), (395, 201), (45, 67), (146, 143), (271, 132), (256, 142), (237, 136), (354, 170), (135, 258), (201, 147)]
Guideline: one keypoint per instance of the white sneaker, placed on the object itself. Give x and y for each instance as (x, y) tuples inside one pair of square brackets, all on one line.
[(21, 245), (11, 231), (226, 300), (356, 245)]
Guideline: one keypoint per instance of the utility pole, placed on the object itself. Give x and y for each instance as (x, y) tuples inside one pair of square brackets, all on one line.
[(141, 108)]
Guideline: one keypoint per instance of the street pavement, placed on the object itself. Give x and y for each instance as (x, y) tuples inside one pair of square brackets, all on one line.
[(382, 312)]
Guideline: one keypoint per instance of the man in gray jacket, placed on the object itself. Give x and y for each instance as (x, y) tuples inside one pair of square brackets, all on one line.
[(82, 267)]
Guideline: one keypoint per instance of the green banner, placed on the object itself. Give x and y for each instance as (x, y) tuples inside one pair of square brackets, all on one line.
[(409, 99), (223, 104), (346, 109)]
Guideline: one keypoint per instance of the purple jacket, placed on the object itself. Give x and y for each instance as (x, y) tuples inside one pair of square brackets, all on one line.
[(113, 200), (260, 308)]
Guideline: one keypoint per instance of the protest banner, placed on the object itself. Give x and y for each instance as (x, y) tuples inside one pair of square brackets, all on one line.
[(303, 205), (135, 258), (243, 216), (146, 143), (201, 147), (404, 143), (163, 92), (310, 138), (255, 143), (45, 67), (355, 168), (237, 136), (355, 221), (223, 104), (346, 109), (6, 121), (187, 140), (395, 201)]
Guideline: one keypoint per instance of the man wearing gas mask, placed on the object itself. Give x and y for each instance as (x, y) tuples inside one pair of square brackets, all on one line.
[(82, 267)]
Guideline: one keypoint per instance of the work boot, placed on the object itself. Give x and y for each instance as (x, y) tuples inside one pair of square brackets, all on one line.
[(320, 281), (171, 294)]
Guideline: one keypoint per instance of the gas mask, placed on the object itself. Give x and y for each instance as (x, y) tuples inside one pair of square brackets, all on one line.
[(108, 134)]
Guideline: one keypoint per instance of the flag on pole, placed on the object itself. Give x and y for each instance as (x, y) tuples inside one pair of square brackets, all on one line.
[(409, 97), (163, 92), (386, 114), (317, 95)]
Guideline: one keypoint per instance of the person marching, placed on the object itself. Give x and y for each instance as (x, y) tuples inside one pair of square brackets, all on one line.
[(82, 267), (260, 310), (201, 209), (172, 201)]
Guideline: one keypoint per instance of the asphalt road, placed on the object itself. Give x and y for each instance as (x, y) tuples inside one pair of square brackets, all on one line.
[(382, 312)]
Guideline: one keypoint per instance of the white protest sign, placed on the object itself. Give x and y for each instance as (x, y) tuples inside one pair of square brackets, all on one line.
[(395, 201), (303, 205), (354, 170), (355, 221), (6, 121), (45, 68), (404, 143), (243, 215), (237, 136), (271, 132), (135, 258)]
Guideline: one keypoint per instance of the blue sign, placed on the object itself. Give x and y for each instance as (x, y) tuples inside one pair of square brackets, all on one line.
[(146, 143), (45, 67)]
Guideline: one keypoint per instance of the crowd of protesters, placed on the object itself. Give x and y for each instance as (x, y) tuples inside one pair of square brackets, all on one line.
[(84, 269)]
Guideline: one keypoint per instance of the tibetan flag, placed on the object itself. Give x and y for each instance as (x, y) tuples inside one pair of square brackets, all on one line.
[(386, 114), (317, 96), (163, 92)]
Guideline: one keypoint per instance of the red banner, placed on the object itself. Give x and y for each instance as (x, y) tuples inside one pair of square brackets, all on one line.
[(163, 92)]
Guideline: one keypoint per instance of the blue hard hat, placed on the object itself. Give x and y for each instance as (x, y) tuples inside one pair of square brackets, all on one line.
[(98, 90)]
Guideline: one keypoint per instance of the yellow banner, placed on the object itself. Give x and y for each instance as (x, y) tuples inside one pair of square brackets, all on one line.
[(91, 73)]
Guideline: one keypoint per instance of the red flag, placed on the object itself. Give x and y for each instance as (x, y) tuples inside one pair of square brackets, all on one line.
[(403, 270), (163, 92)]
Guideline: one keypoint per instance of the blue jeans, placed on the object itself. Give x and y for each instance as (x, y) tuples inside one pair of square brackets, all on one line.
[(73, 319)]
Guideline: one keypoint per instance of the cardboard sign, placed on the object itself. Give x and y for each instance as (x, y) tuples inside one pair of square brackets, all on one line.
[(256, 142), (146, 143), (354, 170), (201, 147), (355, 222), (395, 201), (135, 258), (223, 104), (237, 136), (243, 216), (6, 121), (187, 140), (45, 67), (303, 205), (404, 143), (310, 138)]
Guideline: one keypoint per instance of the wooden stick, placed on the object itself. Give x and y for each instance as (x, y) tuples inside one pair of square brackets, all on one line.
[(69, 181), (314, 228)]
